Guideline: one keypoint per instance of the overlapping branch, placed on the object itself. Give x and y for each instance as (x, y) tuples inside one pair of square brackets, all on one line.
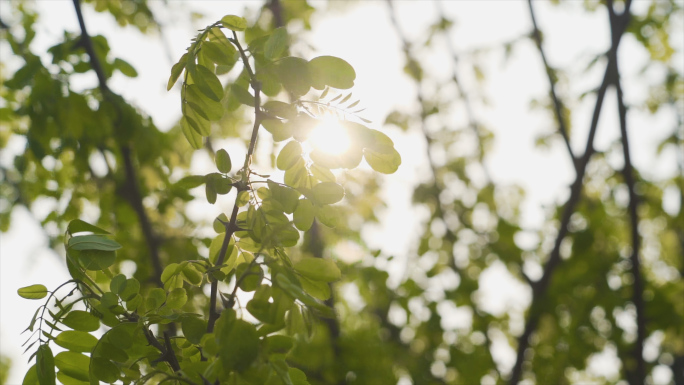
[(540, 287), (639, 373)]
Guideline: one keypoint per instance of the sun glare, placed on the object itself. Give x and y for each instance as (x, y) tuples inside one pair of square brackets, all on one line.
[(330, 137)]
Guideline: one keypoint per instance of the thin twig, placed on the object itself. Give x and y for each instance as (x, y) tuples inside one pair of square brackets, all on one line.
[(557, 104), (231, 226)]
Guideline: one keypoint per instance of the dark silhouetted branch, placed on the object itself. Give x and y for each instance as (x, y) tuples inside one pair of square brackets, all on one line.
[(540, 287), (133, 190), (639, 373)]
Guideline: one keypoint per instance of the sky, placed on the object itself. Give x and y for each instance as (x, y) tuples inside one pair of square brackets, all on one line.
[(373, 49)]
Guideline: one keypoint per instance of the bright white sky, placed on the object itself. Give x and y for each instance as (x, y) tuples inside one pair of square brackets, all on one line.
[(363, 35)]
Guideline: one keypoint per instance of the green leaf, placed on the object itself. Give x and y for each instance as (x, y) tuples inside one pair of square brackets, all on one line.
[(104, 370), (68, 380), (170, 270), (304, 215), (45, 365), (221, 54), (286, 196), (242, 95), (193, 328), (92, 242), (317, 289), (238, 345), (36, 291), (177, 298), (31, 376), (279, 344), (280, 109), (73, 365), (278, 129), (77, 226), (276, 43), (94, 259), (155, 298), (207, 82), (242, 198), (235, 23), (133, 302), (223, 161), (293, 73), (289, 155), (201, 108), (130, 290), (327, 193), (210, 193), (82, 321), (117, 284), (194, 138), (108, 350), (190, 181), (318, 269), (296, 291), (328, 215), (384, 159), (176, 71), (76, 341), (125, 68), (331, 71), (297, 376), (250, 275), (219, 227)]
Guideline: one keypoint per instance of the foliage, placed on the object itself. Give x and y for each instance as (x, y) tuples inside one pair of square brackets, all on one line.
[(260, 300)]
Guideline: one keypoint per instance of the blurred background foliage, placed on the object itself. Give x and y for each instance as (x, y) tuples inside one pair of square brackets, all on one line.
[(587, 294)]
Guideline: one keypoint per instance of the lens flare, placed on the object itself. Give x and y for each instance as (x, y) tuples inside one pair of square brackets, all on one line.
[(330, 137)]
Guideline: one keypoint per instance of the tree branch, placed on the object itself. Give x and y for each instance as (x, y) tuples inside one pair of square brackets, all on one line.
[(231, 227), (557, 104), (639, 373), (540, 287), (135, 197)]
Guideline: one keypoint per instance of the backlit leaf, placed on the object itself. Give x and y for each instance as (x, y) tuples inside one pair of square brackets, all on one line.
[(318, 269), (33, 292), (176, 71), (235, 23), (331, 71), (289, 155), (327, 193), (82, 321), (304, 215), (194, 138), (276, 43), (76, 341), (73, 365)]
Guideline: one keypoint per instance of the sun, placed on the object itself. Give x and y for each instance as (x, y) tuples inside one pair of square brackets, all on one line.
[(330, 137)]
